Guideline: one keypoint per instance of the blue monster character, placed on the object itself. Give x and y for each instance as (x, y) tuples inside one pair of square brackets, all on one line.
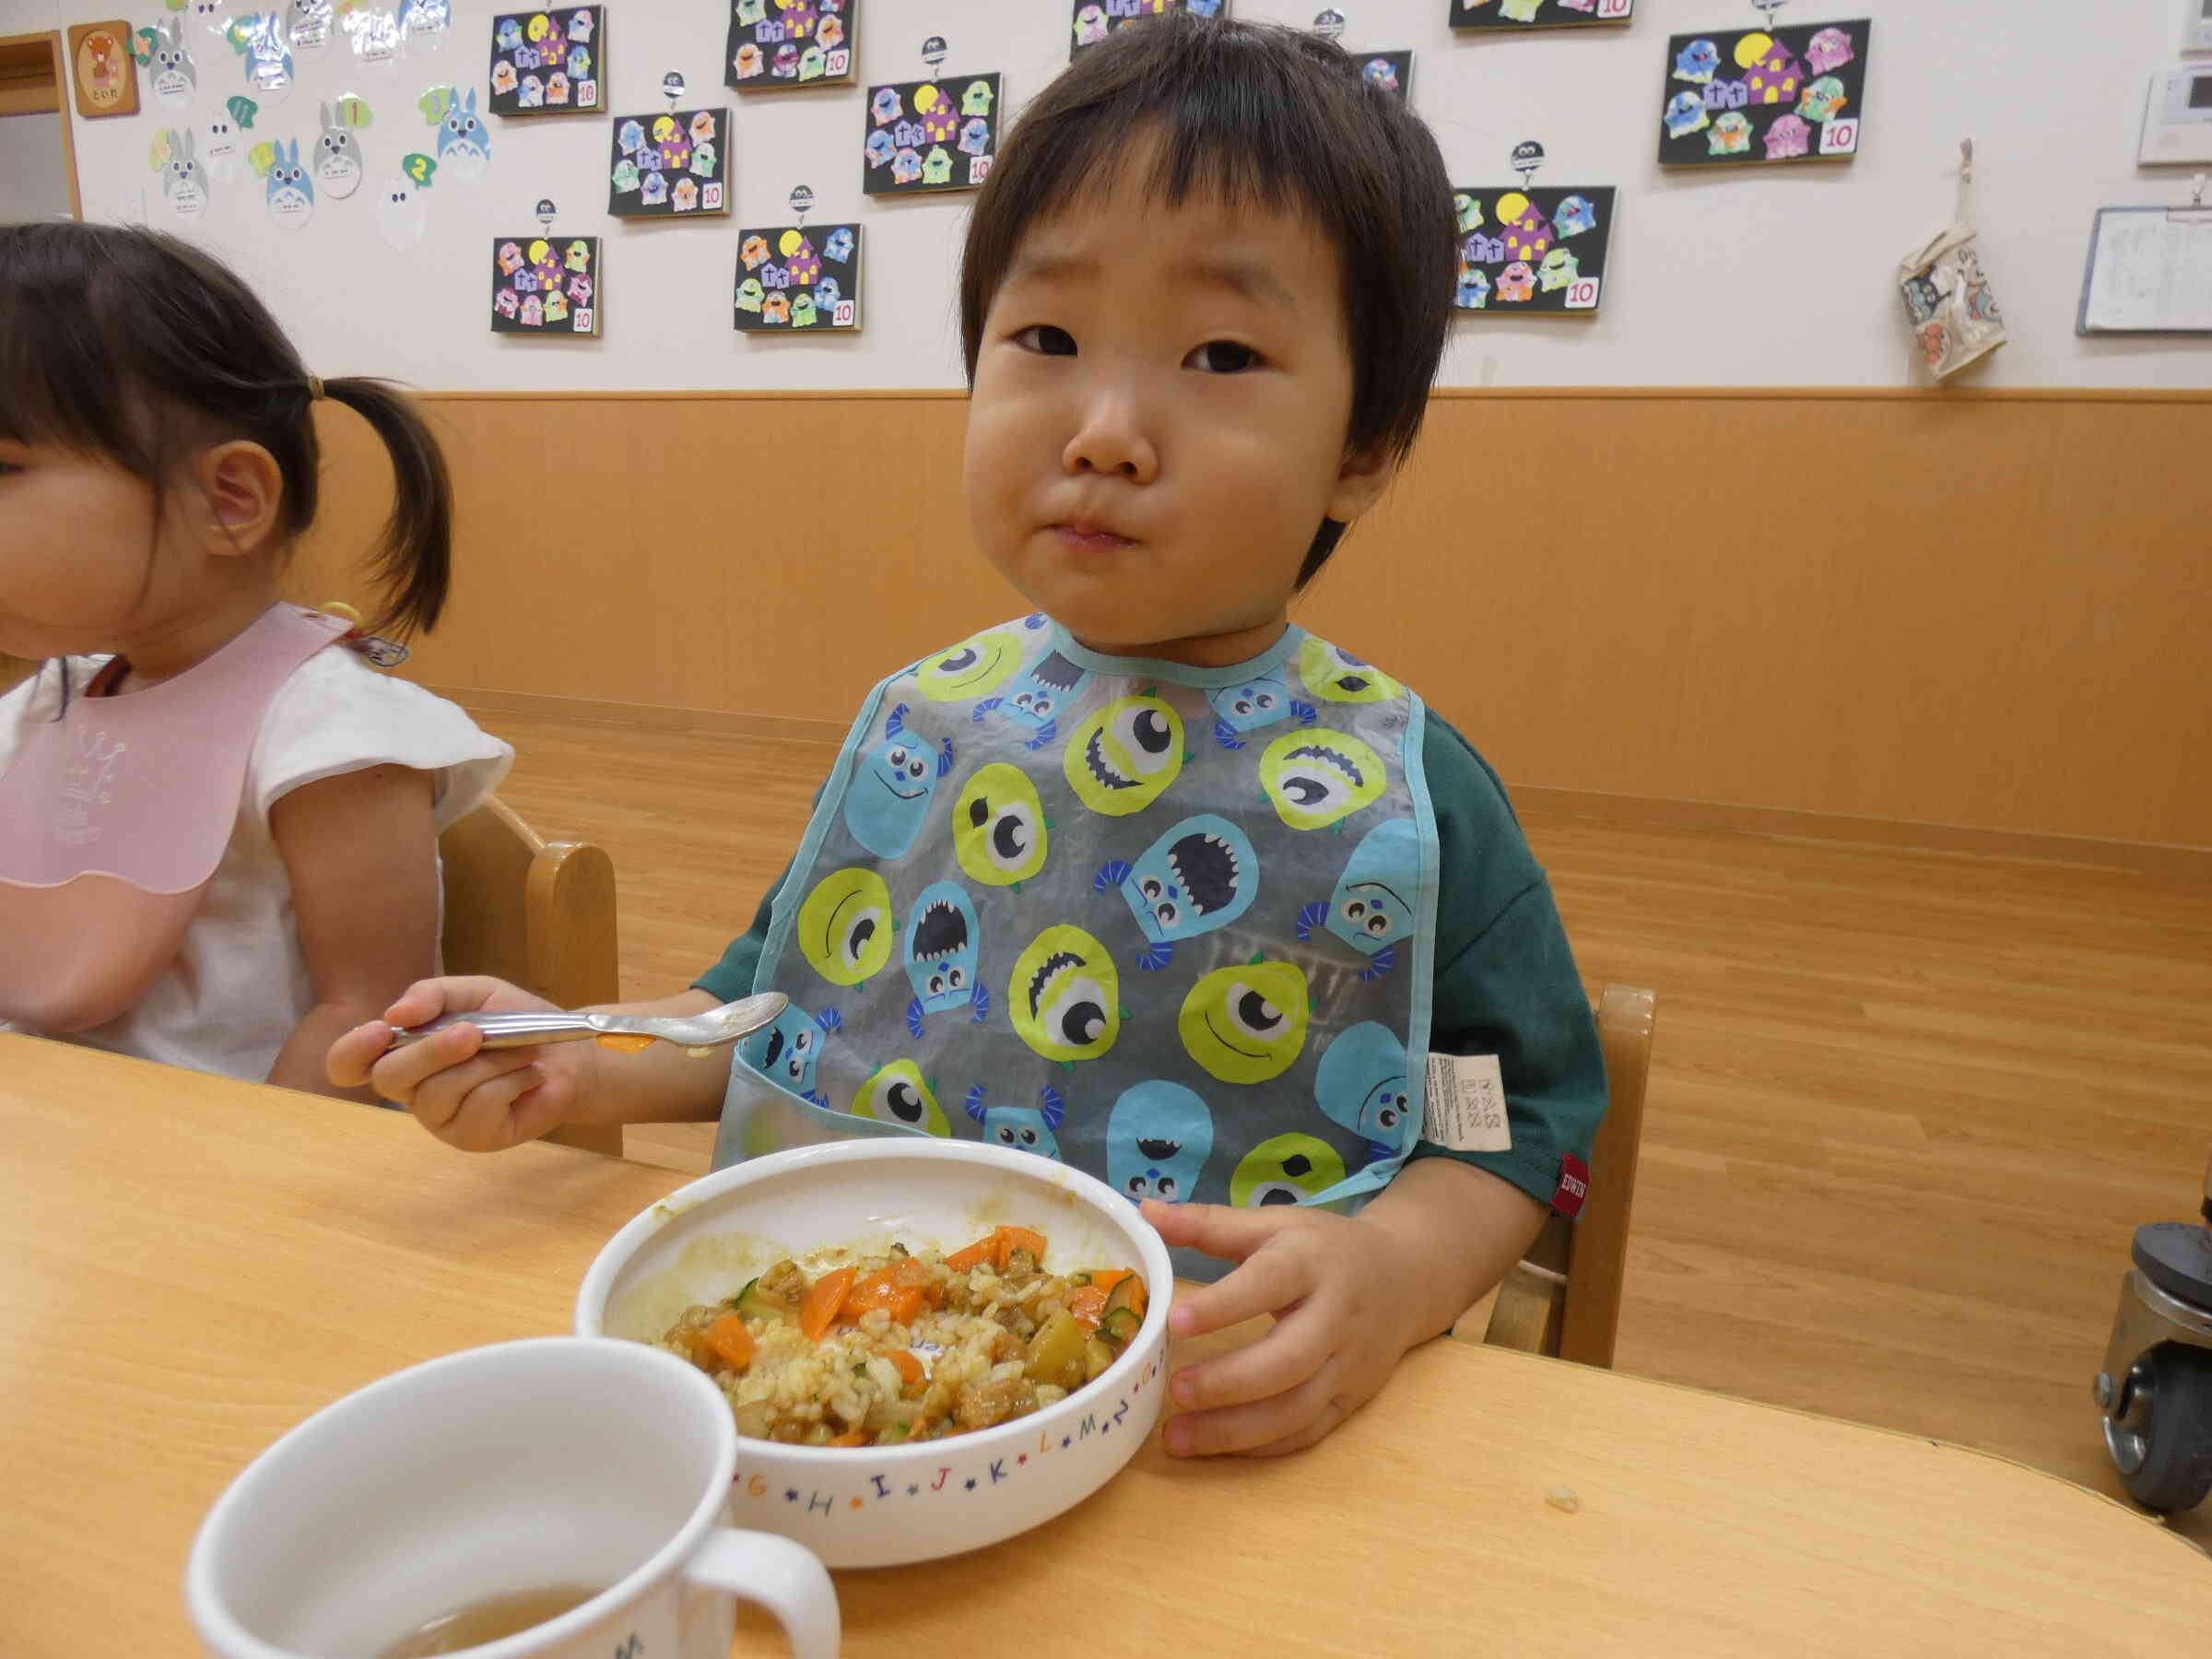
[(1575, 215), (1256, 703), (787, 1051), (631, 137), (892, 789), (943, 940), (1158, 1139), (1362, 1083), (510, 34), (462, 144), (1200, 874), (291, 193), (879, 147), (839, 248), (1024, 1129), (1474, 288), (975, 138), (1372, 907), (652, 189), (1696, 61), (826, 293), (1039, 696)]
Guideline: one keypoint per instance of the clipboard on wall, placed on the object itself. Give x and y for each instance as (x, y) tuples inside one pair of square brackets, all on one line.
[(2150, 271)]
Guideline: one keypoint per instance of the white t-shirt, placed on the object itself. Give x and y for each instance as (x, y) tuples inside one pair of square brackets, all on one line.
[(240, 986)]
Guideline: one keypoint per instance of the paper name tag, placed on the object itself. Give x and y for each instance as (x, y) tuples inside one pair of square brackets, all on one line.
[(1465, 1108)]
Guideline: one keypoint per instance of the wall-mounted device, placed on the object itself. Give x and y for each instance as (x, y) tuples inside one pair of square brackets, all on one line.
[(2177, 119), (2196, 25)]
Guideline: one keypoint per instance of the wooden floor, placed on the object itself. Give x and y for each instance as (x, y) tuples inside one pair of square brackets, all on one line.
[(1906, 1108)]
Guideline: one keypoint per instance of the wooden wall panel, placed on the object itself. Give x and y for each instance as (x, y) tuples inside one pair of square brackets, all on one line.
[(1980, 610)]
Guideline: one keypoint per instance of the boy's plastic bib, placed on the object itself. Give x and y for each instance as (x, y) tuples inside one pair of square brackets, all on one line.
[(1174, 925), (113, 819)]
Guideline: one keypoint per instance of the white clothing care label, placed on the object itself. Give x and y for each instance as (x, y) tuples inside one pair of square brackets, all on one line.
[(1466, 1104)]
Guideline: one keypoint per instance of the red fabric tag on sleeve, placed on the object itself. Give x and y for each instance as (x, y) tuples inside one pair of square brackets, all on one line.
[(1574, 1186)]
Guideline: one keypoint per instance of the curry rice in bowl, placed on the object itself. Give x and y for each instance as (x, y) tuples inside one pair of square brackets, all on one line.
[(942, 1466)]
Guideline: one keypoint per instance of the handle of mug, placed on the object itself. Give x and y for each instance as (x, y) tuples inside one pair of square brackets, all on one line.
[(787, 1579)]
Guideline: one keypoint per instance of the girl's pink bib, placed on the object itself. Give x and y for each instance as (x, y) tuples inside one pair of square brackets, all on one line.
[(114, 817)]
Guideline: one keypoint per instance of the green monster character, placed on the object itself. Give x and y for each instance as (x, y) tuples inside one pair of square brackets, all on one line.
[(1123, 757), (1318, 778), (802, 312), (1333, 675), (1065, 996), (1285, 1170), (1246, 1024), (999, 831), (977, 665), (845, 926), (898, 1093)]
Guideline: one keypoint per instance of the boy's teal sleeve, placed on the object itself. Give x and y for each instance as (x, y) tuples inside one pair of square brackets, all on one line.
[(1506, 982), (732, 978)]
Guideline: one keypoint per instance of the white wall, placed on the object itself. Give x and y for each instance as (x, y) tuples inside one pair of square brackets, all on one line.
[(1771, 277)]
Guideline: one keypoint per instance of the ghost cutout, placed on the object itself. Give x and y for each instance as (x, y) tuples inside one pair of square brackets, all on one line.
[(879, 147), (1558, 270), (1516, 282), (749, 295), (976, 99), (1788, 138), (747, 62), (906, 168), (776, 307), (826, 293), (937, 167), (1823, 100), (839, 248), (402, 215), (975, 138), (802, 311), (1696, 61), (1574, 217), (1731, 135), (1685, 115), (886, 107), (1474, 292), (1830, 49)]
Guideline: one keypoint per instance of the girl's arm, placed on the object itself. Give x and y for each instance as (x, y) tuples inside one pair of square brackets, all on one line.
[(361, 850)]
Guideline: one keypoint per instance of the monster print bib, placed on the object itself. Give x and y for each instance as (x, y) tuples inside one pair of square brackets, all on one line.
[(1173, 925)]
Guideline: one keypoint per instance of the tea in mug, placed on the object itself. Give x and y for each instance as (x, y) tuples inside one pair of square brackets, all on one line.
[(488, 1620)]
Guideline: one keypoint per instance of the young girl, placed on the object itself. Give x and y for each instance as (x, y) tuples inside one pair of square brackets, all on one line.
[(219, 825)]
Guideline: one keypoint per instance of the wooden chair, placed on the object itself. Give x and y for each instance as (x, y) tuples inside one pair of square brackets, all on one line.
[(1563, 1297), (537, 914)]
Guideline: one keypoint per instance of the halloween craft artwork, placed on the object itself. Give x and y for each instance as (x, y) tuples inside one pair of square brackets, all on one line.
[(548, 63), (1539, 13), (1392, 71), (940, 133), (107, 72), (1735, 96), (1094, 20), (174, 154), (774, 44), (798, 279), (671, 164), (1524, 248), (543, 284)]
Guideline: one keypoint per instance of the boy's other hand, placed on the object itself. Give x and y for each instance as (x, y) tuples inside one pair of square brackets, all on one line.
[(478, 1099), (1342, 1323)]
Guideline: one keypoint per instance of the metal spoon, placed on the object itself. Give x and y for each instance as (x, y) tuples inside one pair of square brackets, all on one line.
[(696, 1031)]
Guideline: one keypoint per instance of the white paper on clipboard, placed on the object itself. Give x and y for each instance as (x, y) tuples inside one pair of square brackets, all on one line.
[(2149, 272)]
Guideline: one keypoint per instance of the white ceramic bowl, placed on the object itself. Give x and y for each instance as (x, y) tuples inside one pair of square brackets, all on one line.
[(883, 1506)]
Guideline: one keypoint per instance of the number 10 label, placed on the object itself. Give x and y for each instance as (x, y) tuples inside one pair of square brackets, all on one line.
[(1838, 137), (1581, 293), (1615, 8)]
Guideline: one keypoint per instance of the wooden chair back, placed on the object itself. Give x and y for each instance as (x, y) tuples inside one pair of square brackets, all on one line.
[(1563, 1297), (537, 914)]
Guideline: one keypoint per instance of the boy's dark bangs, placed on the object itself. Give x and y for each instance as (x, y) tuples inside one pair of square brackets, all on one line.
[(64, 380)]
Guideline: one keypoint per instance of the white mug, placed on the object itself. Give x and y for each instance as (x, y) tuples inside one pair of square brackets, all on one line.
[(498, 1471)]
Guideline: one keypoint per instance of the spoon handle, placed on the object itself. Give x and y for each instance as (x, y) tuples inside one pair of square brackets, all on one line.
[(505, 1031)]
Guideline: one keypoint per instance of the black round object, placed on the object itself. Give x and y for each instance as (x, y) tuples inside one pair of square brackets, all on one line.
[(2176, 1257), (2162, 1444)]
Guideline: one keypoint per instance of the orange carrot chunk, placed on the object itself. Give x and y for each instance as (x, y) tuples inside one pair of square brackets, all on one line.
[(824, 1299), (1007, 1240), (850, 1437), (908, 1366), (975, 1255), (1085, 1304), (889, 1289), (728, 1340)]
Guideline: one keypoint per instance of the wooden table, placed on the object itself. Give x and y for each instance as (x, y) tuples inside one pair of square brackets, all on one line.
[(188, 1266)]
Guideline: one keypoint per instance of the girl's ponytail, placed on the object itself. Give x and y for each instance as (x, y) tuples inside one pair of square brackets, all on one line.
[(414, 556)]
